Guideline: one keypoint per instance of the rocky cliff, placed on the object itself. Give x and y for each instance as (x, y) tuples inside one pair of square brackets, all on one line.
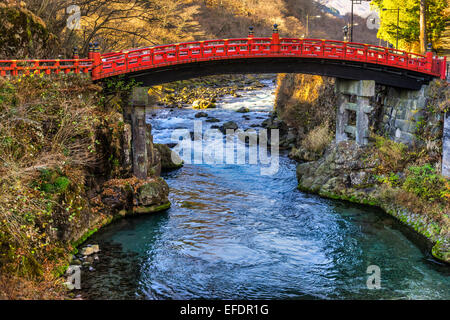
[(65, 173)]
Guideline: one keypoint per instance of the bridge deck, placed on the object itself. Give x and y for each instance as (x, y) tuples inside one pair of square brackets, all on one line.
[(243, 49)]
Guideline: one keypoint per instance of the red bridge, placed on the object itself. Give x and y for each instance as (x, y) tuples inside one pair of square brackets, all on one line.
[(160, 64)]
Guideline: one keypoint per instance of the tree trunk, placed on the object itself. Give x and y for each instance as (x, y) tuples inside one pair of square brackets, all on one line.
[(423, 27)]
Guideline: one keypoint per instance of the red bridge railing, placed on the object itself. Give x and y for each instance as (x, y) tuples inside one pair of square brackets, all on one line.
[(160, 56), (112, 64), (27, 67)]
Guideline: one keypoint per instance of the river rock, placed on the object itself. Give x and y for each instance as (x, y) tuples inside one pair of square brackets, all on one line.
[(243, 110), (87, 251), (228, 125), (212, 120), (201, 115), (151, 196), (76, 262), (203, 104)]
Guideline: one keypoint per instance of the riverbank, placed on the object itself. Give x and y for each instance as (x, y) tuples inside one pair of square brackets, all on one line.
[(203, 93), (402, 180), (348, 172), (232, 233), (65, 173)]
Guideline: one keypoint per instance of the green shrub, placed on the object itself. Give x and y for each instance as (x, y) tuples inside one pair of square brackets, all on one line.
[(424, 182), (393, 155), (393, 180)]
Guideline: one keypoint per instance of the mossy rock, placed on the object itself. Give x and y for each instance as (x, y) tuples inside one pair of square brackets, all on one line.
[(441, 251), (167, 164), (152, 209), (151, 193)]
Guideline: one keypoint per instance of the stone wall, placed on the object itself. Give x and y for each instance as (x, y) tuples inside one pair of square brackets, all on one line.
[(402, 110)]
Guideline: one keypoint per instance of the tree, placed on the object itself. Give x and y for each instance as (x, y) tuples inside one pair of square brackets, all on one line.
[(423, 26), (410, 28), (116, 24)]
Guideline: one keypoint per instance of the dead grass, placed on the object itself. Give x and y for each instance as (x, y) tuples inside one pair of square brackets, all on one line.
[(318, 139), (305, 102), (46, 126), (393, 156), (18, 288)]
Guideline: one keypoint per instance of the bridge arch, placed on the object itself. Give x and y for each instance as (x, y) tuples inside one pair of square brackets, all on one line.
[(352, 61), (353, 70)]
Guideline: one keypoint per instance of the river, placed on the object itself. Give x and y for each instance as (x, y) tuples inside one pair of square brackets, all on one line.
[(233, 233)]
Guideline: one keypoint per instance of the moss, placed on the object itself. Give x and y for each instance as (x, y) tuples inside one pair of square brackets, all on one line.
[(30, 266), (52, 181), (152, 209), (439, 251), (59, 271), (81, 240)]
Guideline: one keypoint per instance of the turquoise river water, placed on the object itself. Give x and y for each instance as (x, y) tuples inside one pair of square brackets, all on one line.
[(233, 233)]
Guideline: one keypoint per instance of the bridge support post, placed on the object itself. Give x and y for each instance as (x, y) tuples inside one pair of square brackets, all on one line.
[(342, 117), (140, 133), (363, 90), (146, 159), (446, 146)]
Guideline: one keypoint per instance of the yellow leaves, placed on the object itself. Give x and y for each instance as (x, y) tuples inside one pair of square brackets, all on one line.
[(446, 192)]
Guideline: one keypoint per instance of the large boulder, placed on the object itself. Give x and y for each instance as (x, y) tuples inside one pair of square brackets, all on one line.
[(135, 195), (167, 157), (151, 196)]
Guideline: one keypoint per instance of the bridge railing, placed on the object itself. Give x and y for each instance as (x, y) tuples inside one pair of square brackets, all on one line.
[(111, 64), (160, 56), (27, 67)]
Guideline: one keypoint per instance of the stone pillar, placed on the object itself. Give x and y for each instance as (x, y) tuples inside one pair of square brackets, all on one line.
[(139, 142), (363, 110), (446, 146), (145, 158), (342, 118), (363, 90)]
